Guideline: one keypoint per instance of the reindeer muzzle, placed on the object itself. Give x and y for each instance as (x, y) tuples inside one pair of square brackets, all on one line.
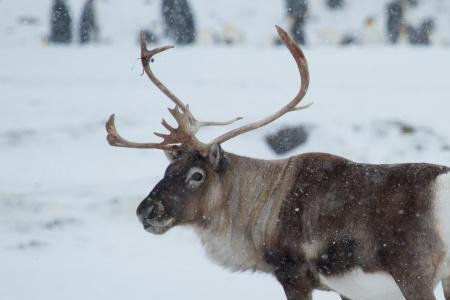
[(153, 217)]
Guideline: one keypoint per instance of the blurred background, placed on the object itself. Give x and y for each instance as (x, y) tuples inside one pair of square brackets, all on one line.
[(322, 22), (379, 82)]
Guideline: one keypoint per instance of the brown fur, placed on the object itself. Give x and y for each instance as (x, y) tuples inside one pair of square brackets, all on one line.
[(311, 214), (377, 217)]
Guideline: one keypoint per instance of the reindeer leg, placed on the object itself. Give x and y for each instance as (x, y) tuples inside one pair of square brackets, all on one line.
[(295, 275), (414, 278), (295, 287), (411, 256), (417, 292), (446, 287), (415, 284)]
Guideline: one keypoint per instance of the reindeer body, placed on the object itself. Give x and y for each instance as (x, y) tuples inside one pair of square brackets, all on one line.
[(314, 221), (330, 223)]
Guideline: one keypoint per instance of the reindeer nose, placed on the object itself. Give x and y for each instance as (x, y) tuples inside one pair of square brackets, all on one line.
[(148, 210)]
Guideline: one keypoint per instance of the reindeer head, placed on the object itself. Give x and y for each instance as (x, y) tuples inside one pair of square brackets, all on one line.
[(194, 174), (180, 197)]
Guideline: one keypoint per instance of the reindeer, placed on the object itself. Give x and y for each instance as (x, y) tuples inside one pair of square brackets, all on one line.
[(314, 221)]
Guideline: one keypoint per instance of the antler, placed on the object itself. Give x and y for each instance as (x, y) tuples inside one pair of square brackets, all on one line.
[(188, 125), (114, 138), (302, 65)]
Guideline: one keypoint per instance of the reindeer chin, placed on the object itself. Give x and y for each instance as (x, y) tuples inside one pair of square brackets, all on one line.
[(159, 227)]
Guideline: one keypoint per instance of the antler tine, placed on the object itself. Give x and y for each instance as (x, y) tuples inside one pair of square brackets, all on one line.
[(167, 126), (114, 139), (215, 123), (292, 105), (146, 57), (188, 125)]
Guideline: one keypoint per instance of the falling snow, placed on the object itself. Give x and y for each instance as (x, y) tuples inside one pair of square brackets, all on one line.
[(67, 200)]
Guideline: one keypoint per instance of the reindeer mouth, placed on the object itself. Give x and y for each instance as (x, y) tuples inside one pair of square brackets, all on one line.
[(158, 227)]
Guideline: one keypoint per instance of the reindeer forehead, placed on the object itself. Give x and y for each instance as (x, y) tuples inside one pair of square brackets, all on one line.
[(182, 164)]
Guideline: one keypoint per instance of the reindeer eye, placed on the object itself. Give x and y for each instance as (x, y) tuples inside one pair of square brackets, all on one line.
[(197, 176)]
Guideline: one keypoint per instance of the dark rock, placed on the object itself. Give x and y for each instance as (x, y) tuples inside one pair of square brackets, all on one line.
[(287, 139)]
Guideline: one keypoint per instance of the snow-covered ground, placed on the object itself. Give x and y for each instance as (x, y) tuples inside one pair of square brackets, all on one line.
[(67, 199)]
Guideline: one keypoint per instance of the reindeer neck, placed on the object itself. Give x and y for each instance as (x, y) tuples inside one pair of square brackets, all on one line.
[(256, 190), (243, 217)]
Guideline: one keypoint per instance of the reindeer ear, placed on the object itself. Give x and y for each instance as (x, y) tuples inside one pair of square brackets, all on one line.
[(215, 156), (173, 153)]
